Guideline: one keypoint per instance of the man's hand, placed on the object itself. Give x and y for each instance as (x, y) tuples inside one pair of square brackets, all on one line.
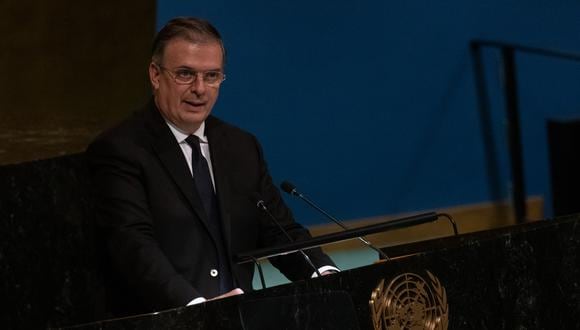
[(234, 292)]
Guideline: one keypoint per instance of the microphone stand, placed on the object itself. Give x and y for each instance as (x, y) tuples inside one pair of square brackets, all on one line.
[(291, 189), (261, 205)]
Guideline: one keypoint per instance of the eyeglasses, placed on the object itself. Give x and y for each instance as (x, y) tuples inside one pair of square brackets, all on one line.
[(183, 76)]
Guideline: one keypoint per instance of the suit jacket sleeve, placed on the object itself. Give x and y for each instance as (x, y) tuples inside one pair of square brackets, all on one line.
[(124, 215)]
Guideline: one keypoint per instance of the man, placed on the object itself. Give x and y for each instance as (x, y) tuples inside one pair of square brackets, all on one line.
[(177, 187)]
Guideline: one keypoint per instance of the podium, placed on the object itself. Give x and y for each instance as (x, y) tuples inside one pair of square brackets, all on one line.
[(519, 277)]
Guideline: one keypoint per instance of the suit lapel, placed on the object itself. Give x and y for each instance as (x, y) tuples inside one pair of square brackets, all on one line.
[(171, 156), (218, 150)]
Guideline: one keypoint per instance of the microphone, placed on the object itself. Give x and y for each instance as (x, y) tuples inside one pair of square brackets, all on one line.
[(262, 206), (291, 189)]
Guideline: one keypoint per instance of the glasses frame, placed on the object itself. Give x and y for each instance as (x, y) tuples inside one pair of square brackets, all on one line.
[(173, 75)]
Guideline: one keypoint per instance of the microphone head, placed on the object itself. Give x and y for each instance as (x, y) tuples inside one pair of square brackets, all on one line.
[(287, 187)]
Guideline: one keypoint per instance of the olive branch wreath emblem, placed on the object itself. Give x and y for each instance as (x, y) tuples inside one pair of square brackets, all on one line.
[(410, 302)]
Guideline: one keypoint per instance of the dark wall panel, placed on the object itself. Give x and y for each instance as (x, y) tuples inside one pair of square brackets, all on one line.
[(67, 70), (564, 137)]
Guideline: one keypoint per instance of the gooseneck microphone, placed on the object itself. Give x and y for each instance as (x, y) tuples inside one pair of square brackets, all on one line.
[(291, 189), (262, 206)]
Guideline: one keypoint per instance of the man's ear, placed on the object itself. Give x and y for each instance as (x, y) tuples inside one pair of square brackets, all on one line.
[(154, 75)]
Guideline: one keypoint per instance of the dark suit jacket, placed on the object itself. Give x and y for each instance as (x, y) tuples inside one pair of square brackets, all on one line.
[(158, 249)]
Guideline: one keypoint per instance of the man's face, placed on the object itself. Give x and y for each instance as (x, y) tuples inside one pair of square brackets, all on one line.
[(186, 106)]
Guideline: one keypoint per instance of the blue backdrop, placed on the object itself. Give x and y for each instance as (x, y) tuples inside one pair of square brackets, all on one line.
[(369, 107)]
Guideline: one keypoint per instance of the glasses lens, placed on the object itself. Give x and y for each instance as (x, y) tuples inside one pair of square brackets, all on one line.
[(183, 76), (186, 76), (212, 77)]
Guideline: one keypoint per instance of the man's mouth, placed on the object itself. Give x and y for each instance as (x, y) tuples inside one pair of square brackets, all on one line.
[(195, 104)]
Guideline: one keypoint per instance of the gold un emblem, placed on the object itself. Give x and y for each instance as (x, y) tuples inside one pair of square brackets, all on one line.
[(409, 302)]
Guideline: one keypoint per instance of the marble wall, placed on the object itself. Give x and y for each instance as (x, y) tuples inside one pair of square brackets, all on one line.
[(518, 277), (48, 263)]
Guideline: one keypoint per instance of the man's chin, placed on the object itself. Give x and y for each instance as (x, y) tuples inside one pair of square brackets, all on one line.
[(192, 120), (197, 114)]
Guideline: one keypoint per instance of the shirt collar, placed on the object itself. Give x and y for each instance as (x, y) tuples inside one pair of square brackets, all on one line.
[(180, 136)]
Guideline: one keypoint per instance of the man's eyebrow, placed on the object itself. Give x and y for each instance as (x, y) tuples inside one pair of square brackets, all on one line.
[(185, 67)]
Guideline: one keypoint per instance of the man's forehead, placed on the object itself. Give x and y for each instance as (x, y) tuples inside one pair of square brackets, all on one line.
[(178, 47), (184, 42)]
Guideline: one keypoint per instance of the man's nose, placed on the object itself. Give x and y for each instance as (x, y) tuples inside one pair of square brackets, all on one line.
[(198, 85)]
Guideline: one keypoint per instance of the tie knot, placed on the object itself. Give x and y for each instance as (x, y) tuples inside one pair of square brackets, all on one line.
[(193, 141)]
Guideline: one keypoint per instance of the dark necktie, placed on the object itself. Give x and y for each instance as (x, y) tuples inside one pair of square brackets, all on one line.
[(202, 177), (204, 186)]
